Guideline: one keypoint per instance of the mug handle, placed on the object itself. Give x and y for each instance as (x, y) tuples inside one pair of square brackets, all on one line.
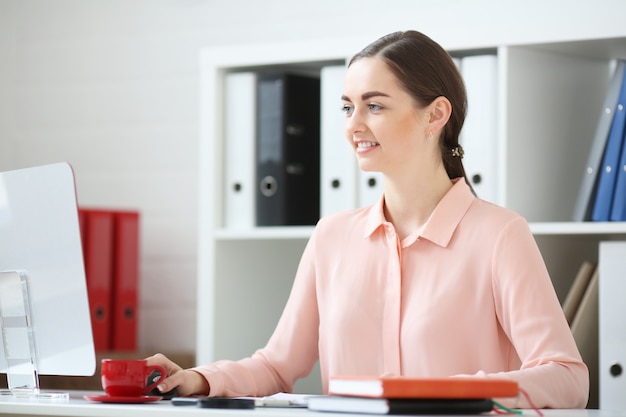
[(162, 375)]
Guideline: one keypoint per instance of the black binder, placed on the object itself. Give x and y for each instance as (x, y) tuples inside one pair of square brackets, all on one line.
[(287, 150)]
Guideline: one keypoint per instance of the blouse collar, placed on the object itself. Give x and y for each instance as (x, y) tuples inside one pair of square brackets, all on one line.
[(442, 222)]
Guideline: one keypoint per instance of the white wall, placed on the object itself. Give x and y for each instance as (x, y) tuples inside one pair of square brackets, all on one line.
[(111, 87)]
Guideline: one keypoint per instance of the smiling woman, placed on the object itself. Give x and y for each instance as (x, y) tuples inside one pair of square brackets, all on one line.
[(381, 112), (376, 285), (402, 65)]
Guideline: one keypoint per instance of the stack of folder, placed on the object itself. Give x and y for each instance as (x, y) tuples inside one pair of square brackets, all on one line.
[(287, 161), (272, 149), (111, 255), (405, 395), (602, 195)]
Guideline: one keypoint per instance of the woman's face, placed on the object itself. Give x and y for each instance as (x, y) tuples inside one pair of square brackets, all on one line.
[(384, 125)]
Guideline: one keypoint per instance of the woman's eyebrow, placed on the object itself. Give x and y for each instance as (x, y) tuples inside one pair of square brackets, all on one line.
[(367, 96)]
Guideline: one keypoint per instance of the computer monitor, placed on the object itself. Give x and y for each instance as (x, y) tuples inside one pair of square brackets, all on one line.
[(44, 308)]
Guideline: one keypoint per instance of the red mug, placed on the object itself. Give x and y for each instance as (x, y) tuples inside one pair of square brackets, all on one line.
[(129, 377)]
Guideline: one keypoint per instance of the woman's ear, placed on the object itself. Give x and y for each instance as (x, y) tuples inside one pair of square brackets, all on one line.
[(439, 114)]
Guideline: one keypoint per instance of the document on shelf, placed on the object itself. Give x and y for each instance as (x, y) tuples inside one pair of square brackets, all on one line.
[(611, 324), (239, 131), (479, 135), (610, 160), (338, 167), (370, 187), (586, 193)]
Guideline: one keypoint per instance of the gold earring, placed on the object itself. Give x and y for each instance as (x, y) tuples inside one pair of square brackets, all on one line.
[(457, 152)]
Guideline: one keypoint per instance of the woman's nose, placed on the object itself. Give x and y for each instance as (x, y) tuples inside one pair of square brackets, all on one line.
[(355, 122)]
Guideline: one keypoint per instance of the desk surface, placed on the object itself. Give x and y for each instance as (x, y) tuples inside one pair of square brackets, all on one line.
[(79, 407)]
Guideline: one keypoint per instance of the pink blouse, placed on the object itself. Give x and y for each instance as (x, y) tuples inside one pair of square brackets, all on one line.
[(468, 295)]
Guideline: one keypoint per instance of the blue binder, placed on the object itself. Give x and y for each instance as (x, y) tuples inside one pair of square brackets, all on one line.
[(587, 192), (618, 209), (610, 160)]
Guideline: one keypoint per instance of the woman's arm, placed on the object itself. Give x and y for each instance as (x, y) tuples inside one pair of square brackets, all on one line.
[(552, 371)]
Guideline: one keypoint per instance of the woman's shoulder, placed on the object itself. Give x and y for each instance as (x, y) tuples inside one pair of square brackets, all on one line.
[(496, 214)]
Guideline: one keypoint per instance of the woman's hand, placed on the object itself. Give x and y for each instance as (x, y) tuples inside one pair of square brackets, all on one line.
[(186, 381)]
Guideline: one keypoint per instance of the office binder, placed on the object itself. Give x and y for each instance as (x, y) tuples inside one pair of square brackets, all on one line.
[(239, 138), (618, 208), (370, 187), (98, 256), (479, 134), (338, 163), (125, 281), (577, 290), (287, 149), (585, 331), (587, 191), (612, 326), (610, 160)]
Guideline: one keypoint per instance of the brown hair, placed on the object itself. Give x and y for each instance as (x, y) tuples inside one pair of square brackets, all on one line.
[(426, 71)]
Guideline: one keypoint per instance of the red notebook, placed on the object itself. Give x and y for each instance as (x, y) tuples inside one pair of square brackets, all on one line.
[(405, 387)]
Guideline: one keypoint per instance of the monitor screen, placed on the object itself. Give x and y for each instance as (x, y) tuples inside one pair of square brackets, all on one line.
[(40, 238)]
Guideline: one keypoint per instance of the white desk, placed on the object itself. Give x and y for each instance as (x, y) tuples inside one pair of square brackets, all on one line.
[(79, 407)]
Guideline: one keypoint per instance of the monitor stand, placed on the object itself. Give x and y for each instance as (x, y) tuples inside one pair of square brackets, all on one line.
[(19, 342)]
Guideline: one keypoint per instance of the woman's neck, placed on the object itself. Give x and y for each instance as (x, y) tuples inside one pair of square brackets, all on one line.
[(410, 200)]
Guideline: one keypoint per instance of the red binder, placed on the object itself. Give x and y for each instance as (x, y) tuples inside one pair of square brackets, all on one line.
[(98, 257), (125, 281)]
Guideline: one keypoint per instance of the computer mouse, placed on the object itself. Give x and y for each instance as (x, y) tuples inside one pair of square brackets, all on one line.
[(154, 375)]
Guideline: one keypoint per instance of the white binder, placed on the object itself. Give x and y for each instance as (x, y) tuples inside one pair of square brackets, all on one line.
[(239, 145), (338, 163), (612, 326), (370, 187), (479, 133)]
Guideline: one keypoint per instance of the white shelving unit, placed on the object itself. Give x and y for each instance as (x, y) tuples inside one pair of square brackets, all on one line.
[(550, 95)]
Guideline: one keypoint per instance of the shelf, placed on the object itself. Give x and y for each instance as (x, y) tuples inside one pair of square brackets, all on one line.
[(537, 228), (550, 95), (593, 48), (578, 228), (264, 233)]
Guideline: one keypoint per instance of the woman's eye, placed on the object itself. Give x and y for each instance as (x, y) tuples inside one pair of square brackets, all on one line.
[(374, 107), (347, 109)]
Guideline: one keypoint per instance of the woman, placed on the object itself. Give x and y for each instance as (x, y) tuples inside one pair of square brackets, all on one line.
[(429, 282)]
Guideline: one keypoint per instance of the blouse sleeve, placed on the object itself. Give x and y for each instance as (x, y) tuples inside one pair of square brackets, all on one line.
[(290, 353), (552, 372)]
